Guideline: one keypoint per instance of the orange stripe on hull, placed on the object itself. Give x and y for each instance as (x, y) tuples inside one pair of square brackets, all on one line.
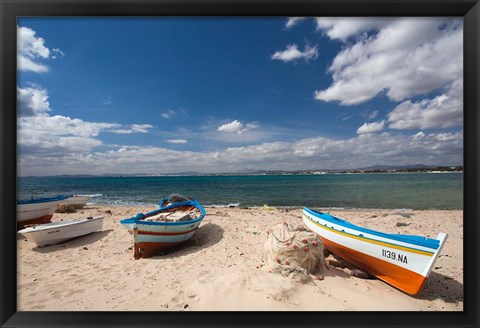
[(40, 220), (406, 280), (148, 249)]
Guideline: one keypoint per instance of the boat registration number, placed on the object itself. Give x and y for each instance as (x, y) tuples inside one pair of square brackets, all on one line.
[(394, 256), (53, 231)]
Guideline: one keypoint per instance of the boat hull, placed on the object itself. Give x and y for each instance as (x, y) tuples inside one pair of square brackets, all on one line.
[(151, 237), (37, 211), (391, 258), (58, 232), (36, 220), (150, 240)]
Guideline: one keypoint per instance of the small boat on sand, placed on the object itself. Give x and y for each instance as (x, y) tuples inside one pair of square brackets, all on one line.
[(403, 261), (77, 201), (172, 224), (57, 232), (37, 210)]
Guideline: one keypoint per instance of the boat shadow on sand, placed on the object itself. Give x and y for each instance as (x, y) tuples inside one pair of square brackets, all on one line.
[(81, 241), (441, 287), (206, 235), (437, 287)]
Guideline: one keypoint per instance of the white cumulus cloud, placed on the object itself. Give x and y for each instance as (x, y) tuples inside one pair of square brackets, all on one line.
[(31, 49), (26, 64), (28, 44), (236, 127), (293, 53), (443, 111), (400, 58), (311, 153), (291, 21), (56, 135), (32, 101), (343, 28), (371, 127)]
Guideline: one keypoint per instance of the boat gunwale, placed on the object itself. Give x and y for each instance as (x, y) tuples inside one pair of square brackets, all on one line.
[(390, 244), (431, 243), (42, 200), (59, 224), (137, 219), (78, 197)]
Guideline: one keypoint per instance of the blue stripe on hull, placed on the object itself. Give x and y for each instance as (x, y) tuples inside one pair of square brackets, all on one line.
[(410, 239)]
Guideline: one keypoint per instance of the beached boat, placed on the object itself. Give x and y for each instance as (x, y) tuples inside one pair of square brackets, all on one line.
[(168, 226), (36, 211), (57, 232), (403, 261), (77, 201)]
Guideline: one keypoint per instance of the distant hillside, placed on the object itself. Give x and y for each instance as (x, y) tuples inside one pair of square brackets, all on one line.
[(247, 171)]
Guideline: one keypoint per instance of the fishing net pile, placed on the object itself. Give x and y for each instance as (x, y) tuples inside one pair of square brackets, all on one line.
[(65, 208), (175, 198), (294, 251)]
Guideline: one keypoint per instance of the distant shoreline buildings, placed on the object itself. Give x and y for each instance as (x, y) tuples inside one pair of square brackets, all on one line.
[(435, 169), (422, 169)]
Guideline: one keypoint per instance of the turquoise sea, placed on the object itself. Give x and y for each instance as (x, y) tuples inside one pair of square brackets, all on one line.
[(361, 191)]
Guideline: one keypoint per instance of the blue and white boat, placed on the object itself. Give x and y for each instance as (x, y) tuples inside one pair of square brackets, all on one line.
[(37, 210), (166, 227)]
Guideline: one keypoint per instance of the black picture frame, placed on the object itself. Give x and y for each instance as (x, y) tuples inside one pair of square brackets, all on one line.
[(10, 10)]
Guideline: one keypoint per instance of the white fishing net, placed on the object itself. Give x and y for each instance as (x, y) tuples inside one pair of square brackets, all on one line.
[(293, 251), (174, 198)]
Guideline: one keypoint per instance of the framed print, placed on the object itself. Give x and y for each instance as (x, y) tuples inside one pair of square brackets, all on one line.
[(239, 163)]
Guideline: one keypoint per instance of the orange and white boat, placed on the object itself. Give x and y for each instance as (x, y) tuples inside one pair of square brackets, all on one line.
[(403, 261)]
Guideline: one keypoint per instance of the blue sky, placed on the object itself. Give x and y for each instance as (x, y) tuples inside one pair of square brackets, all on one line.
[(167, 95)]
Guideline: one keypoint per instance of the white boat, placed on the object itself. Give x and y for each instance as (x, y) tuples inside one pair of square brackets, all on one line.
[(403, 261), (36, 210), (57, 232), (77, 201)]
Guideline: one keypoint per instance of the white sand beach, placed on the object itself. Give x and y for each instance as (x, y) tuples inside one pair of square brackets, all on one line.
[(222, 267)]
